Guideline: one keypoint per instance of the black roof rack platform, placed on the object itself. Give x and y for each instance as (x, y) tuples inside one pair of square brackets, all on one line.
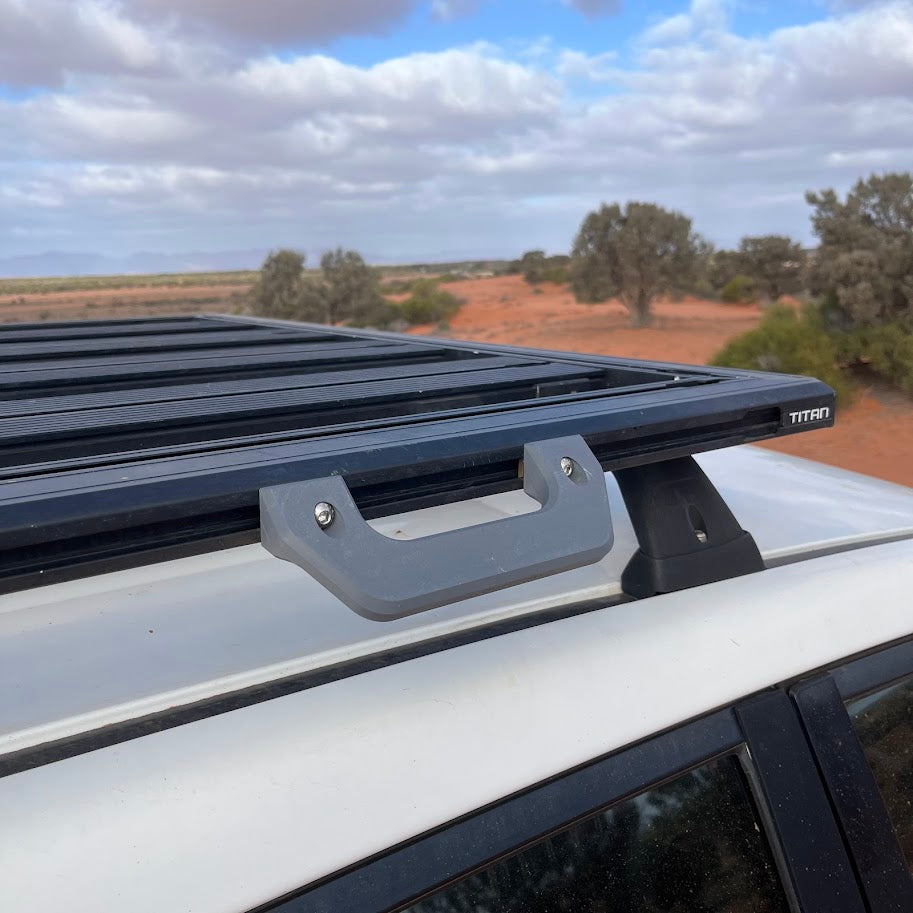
[(128, 438)]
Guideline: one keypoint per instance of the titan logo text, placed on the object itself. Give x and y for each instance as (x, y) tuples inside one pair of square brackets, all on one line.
[(809, 415)]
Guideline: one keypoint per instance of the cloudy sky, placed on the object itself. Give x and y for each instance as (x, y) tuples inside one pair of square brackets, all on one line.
[(434, 129)]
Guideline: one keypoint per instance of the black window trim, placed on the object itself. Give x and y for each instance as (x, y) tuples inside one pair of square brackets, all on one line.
[(863, 817), (875, 670), (819, 871), (793, 810)]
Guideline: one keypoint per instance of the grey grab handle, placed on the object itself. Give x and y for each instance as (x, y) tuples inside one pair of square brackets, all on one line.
[(383, 578)]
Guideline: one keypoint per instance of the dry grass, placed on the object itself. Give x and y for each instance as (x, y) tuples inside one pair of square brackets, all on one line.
[(46, 285)]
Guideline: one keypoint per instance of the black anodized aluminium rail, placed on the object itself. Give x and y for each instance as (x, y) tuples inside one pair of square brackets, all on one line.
[(118, 372), (44, 405), (112, 445), (66, 517), (117, 428), (73, 331), (31, 349)]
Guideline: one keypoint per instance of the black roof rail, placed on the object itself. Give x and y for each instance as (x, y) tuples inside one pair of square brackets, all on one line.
[(126, 441)]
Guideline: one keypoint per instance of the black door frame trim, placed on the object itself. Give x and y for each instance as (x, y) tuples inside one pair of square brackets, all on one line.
[(874, 670), (813, 848), (857, 802)]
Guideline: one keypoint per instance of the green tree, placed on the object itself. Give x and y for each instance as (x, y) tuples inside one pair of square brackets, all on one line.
[(723, 266), (699, 282), (864, 263), (346, 291), (349, 289), (775, 263), (533, 265), (635, 253), (280, 287)]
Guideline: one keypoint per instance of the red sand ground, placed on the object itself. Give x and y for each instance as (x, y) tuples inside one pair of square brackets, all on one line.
[(874, 435)]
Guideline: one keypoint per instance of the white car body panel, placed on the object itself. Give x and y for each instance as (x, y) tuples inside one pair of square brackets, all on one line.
[(79, 655), (234, 810)]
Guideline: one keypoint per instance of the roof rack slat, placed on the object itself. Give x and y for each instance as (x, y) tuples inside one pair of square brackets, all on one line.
[(198, 320), (306, 405), (22, 351), (290, 381), (67, 373), (43, 333)]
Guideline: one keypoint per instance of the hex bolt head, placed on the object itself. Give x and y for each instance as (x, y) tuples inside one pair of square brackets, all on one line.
[(324, 514), (567, 466)]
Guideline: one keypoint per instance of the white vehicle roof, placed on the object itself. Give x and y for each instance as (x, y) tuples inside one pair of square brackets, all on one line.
[(92, 652), (395, 746)]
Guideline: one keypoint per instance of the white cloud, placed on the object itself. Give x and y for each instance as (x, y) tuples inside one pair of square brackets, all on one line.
[(448, 10), (869, 53), (593, 8), (32, 193), (672, 30), (438, 95), (113, 122), (593, 67), (42, 40), (280, 22), (703, 18), (471, 150)]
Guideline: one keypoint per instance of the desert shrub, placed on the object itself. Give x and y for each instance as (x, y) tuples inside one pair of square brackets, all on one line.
[(788, 342), (396, 286), (739, 289), (887, 350), (449, 277), (558, 274), (703, 288), (533, 265), (428, 303), (376, 313), (536, 267)]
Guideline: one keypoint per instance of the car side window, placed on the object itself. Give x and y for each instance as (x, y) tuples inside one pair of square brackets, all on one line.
[(884, 724), (694, 843)]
